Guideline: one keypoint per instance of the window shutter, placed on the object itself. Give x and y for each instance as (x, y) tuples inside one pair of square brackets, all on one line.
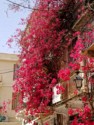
[(16, 67), (15, 100)]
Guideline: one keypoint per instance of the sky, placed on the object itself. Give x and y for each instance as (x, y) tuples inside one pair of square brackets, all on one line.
[(9, 22)]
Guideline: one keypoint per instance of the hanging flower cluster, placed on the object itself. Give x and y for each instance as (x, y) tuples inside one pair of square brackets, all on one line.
[(42, 48), (49, 32), (64, 74)]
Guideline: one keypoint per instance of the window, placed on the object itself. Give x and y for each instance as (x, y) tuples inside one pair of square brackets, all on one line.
[(16, 67)]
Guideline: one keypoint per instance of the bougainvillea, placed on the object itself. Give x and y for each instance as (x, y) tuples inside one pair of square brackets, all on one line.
[(48, 34), (64, 74)]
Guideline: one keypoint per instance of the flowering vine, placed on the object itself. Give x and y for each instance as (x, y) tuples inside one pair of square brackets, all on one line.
[(48, 34)]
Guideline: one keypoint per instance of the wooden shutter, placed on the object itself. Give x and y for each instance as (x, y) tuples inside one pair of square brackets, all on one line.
[(15, 100), (16, 67), (72, 86), (65, 94)]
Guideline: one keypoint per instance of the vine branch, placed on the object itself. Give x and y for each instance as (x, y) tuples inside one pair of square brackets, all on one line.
[(30, 8), (20, 5), (89, 6)]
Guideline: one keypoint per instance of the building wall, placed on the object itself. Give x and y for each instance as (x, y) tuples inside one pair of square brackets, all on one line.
[(7, 62), (10, 123)]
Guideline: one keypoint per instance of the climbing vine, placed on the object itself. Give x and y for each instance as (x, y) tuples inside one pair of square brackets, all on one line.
[(48, 33)]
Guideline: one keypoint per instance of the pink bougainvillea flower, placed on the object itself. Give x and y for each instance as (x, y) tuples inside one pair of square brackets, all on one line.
[(60, 89), (87, 109), (74, 66), (54, 81), (46, 123), (70, 111), (75, 122), (84, 98), (64, 74), (48, 34)]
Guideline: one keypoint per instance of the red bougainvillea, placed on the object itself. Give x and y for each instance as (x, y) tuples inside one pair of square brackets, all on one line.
[(49, 32)]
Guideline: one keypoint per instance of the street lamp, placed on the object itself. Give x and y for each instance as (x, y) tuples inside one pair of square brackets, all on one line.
[(78, 80), (89, 88)]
